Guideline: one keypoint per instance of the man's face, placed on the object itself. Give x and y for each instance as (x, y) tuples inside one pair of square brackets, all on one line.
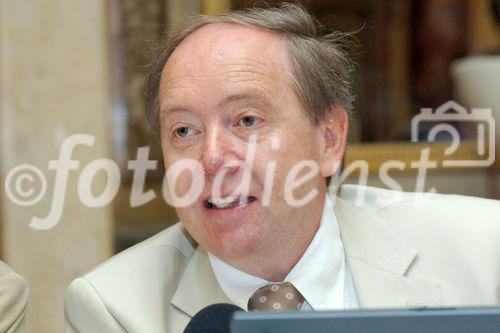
[(223, 87)]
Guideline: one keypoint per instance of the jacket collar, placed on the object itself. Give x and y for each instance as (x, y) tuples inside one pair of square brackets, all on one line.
[(367, 238), (380, 260), (198, 286)]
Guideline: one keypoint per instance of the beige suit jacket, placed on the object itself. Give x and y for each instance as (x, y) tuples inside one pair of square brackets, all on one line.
[(410, 251), (13, 300)]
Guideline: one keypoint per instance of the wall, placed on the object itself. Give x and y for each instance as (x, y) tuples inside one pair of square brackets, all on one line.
[(54, 83)]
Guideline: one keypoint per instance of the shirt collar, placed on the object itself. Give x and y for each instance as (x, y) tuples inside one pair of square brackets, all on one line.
[(318, 275)]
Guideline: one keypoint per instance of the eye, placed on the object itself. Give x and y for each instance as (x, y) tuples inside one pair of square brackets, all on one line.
[(183, 132), (249, 121)]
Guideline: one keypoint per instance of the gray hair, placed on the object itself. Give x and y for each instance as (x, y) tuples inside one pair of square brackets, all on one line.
[(321, 68)]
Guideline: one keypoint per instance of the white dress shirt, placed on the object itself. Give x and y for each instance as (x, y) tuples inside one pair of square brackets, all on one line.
[(321, 275)]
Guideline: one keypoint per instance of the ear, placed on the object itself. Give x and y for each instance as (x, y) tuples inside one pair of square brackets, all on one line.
[(334, 137)]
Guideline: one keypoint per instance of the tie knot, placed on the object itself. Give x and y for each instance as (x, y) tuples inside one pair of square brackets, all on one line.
[(276, 297)]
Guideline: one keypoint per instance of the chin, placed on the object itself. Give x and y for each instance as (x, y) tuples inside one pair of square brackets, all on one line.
[(230, 234), (236, 243)]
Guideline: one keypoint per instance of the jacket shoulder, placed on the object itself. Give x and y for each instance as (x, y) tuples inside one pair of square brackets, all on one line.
[(85, 311), (144, 276), (13, 301), (440, 221), (447, 210), (171, 243), (425, 204)]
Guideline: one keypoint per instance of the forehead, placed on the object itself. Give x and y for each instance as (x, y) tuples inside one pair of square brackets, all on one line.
[(224, 50)]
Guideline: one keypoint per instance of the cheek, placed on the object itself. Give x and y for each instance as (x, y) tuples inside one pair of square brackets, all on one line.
[(294, 161), (185, 188), (294, 155), (184, 183), (193, 225), (181, 183)]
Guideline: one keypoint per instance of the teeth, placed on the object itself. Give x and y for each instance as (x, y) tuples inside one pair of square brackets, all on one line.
[(231, 201), (222, 202)]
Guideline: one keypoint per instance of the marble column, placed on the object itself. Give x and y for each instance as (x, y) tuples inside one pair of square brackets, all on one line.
[(54, 83)]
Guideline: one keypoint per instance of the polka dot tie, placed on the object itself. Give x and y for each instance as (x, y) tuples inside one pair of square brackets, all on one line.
[(276, 297)]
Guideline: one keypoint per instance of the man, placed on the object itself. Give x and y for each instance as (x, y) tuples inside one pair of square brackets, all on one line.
[(13, 300), (260, 98)]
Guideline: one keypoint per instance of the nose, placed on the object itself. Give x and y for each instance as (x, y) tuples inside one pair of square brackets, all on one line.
[(219, 152)]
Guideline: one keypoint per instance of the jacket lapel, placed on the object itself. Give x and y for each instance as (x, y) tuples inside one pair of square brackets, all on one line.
[(380, 260), (198, 286)]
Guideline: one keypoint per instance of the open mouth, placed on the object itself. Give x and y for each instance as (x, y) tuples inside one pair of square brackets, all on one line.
[(228, 202)]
